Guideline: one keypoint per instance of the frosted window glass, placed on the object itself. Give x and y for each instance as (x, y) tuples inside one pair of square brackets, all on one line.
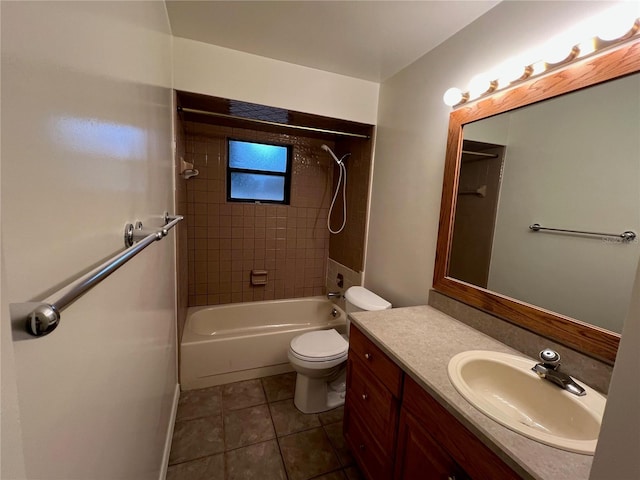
[(257, 156), (254, 186)]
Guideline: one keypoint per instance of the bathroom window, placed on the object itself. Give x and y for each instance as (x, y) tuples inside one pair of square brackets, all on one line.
[(258, 172)]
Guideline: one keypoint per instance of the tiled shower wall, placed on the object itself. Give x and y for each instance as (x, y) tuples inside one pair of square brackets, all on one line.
[(226, 240), (347, 247), (182, 265), (349, 279)]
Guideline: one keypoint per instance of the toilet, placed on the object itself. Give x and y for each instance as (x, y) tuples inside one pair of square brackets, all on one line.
[(319, 357)]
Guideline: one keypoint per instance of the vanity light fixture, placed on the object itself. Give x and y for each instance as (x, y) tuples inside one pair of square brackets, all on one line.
[(615, 26)]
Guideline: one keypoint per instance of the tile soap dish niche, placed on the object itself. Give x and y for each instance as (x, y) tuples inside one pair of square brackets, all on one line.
[(186, 170), (259, 277)]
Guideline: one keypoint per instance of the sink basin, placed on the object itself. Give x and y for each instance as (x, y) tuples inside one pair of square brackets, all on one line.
[(503, 387)]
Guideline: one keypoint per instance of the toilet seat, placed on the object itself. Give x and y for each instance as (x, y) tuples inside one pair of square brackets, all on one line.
[(319, 346)]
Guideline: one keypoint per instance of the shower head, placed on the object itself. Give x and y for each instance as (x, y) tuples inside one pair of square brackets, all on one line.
[(327, 149)]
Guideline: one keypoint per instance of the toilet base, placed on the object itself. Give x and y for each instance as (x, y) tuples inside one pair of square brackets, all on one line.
[(315, 395)]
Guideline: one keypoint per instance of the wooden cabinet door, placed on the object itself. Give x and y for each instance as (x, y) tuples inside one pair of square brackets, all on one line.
[(453, 437), (375, 463), (418, 456), (373, 402)]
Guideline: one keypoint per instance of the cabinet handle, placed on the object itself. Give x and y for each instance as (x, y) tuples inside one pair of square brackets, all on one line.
[(365, 396), (367, 356)]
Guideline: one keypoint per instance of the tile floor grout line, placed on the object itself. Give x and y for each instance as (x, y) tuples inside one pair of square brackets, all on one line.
[(341, 470), (250, 444), (305, 429), (196, 458), (284, 465), (273, 424), (333, 447), (197, 418)]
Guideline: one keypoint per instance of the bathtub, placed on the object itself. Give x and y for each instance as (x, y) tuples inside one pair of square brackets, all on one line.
[(240, 341)]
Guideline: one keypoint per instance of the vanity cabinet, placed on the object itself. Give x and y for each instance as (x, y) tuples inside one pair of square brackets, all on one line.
[(374, 385), (396, 430)]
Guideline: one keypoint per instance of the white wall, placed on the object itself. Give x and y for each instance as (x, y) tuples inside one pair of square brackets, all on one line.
[(86, 147), (412, 134), (222, 72), (617, 451)]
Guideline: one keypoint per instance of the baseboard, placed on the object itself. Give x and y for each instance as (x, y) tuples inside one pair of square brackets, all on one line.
[(167, 442)]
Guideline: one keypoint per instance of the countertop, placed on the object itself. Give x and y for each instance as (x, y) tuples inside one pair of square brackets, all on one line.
[(421, 340)]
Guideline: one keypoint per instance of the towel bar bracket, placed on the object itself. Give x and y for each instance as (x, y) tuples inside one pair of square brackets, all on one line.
[(135, 233)]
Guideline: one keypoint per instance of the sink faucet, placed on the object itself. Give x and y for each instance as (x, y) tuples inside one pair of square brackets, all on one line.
[(549, 369), (333, 295)]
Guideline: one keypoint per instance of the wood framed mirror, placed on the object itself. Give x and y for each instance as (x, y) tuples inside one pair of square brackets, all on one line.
[(575, 333)]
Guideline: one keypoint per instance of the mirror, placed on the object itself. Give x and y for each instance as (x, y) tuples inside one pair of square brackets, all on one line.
[(555, 153), (567, 163)]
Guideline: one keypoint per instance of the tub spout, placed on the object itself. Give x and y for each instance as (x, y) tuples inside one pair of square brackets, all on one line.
[(334, 295)]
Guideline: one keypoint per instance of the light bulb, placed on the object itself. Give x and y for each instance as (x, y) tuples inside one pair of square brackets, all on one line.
[(558, 50), (478, 85), (618, 21), (537, 68), (453, 96), (509, 72), (587, 47), (615, 28)]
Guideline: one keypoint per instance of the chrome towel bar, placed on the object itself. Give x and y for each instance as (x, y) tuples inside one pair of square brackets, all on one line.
[(44, 316), (626, 236)]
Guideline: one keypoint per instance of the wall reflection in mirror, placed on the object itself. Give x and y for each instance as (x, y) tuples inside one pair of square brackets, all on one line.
[(571, 162)]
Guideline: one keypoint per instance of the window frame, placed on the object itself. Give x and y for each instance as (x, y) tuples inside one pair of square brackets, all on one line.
[(286, 174)]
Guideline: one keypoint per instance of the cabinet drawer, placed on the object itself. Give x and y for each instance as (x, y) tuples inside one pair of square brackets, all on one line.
[(373, 401), (375, 463), (468, 451), (381, 365)]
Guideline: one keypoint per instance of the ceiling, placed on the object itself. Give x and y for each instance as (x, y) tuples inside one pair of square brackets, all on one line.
[(371, 40)]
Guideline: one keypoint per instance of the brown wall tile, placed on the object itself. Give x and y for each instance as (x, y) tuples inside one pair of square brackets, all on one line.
[(347, 247), (228, 240), (182, 242)]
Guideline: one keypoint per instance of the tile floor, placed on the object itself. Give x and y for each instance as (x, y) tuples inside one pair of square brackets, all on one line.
[(251, 429)]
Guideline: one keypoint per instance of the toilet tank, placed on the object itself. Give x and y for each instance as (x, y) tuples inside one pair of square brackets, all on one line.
[(359, 299)]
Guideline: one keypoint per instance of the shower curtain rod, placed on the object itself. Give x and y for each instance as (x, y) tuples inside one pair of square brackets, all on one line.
[(275, 124)]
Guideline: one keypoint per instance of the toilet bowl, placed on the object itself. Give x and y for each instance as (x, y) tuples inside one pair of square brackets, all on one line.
[(319, 358)]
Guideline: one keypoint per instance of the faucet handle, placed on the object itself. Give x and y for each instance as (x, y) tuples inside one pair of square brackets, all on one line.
[(550, 357)]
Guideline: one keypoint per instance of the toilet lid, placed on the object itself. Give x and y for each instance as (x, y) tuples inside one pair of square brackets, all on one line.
[(320, 345)]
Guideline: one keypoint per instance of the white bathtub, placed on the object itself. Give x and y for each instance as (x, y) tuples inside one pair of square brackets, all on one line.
[(240, 341)]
